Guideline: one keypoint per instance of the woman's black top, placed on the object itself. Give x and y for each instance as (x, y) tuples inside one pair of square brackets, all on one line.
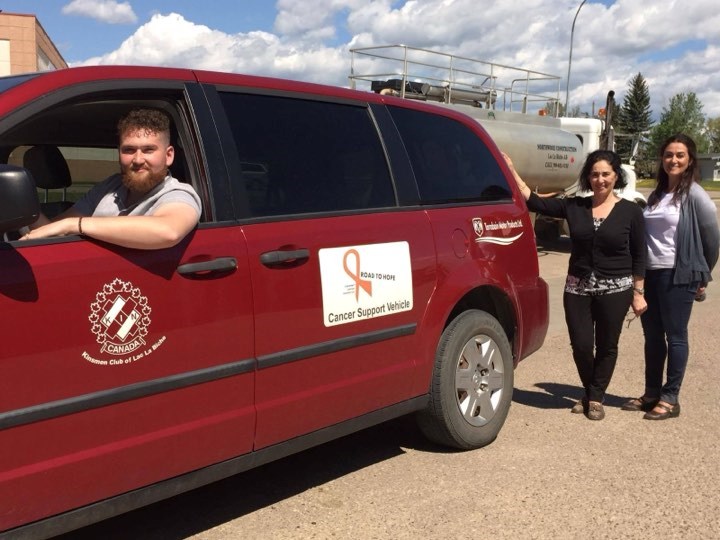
[(617, 248)]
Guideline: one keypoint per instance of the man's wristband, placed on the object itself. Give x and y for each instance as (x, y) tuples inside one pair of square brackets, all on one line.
[(639, 290)]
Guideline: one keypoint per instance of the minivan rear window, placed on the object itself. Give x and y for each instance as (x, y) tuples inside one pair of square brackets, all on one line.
[(450, 162)]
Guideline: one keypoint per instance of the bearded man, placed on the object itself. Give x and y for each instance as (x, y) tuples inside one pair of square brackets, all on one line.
[(143, 207)]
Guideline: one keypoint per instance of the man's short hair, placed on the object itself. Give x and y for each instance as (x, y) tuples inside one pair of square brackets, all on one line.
[(152, 120)]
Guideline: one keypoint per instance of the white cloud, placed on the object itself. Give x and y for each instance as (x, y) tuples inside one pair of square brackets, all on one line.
[(200, 47), (297, 18), (108, 11), (310, 41)]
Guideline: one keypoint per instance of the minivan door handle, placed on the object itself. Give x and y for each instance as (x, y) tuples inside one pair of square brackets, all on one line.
[(281, 257), (213, 266)]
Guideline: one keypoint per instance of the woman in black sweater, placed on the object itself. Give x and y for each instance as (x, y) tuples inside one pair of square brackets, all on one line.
[(606, 270)]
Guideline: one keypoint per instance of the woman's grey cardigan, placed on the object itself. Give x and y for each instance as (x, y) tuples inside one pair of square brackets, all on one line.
[(697, 238)]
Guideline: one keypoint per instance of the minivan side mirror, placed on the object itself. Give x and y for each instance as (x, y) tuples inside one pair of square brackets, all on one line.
[(19, 204)]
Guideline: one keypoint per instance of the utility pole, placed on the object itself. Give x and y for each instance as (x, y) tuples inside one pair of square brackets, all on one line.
[(572, 32)]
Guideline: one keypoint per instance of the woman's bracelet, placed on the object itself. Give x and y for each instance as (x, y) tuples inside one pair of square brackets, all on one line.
[(80, 225)]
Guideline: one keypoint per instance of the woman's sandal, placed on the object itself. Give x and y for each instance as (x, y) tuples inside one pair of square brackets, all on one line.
[(640, 404), (668, 411)]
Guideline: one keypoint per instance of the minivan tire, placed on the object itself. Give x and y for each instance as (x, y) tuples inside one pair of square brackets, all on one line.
[(472, 383)]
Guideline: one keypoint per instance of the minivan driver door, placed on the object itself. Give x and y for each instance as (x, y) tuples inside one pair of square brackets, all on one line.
[(119, 367)]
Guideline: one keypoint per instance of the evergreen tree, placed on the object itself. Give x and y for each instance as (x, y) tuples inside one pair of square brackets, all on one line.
[(634, 118), (682, 115)]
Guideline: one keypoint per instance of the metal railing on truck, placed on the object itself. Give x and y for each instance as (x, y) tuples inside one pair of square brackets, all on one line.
[(424, 74)]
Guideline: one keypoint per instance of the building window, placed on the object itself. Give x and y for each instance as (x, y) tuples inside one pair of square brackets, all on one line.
[(43, 62), (4, 57)]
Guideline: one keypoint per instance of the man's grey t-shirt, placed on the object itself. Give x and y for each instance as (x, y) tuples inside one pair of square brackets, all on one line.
[(108, 198)]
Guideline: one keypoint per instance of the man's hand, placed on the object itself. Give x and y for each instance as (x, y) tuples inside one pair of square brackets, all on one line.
[(62, 227)]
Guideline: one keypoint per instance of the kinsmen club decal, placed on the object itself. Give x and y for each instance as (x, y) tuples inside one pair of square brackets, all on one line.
[(119, 318), (481, 228)]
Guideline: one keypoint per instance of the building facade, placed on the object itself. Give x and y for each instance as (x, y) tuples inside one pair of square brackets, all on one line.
[(25, 46), (709, 166)]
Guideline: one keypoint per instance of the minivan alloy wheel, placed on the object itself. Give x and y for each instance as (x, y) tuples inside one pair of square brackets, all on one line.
[(479, 380)]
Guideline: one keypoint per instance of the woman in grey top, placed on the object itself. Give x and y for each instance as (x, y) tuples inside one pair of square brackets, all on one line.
[(682, 236)]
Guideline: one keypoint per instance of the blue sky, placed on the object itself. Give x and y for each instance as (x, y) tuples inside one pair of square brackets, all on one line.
[(79, 37), (675, 44)]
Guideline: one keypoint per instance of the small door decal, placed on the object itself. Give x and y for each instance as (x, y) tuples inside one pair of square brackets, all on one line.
[(119, 319), (492, 229)]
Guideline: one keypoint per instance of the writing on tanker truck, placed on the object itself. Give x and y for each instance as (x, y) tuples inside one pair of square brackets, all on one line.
[(516, 106)]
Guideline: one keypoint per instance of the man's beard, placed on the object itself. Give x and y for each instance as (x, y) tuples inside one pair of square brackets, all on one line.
[(141, 181)]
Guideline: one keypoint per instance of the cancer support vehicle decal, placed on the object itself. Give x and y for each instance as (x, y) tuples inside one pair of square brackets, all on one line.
[(119, 318), (364, 282)]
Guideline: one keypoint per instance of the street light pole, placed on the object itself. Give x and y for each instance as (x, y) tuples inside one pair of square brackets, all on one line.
[(572, 33)]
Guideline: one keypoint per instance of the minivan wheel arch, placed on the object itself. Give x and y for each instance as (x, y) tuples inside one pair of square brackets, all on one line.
[(492, 300)]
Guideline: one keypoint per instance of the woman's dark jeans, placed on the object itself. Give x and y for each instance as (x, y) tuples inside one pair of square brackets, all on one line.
[(665, 325)]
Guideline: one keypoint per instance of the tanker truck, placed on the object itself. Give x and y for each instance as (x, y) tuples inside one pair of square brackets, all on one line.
[(517, 107)]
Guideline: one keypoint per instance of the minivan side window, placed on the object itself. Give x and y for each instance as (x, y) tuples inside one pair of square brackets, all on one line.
[(303, 156), (450, 162)]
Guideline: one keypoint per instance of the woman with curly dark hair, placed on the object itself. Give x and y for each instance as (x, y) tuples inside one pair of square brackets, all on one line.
[(682, 238), (605, 272)]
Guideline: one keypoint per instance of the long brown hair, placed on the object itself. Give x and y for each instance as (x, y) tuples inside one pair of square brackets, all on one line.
[(691, 174)]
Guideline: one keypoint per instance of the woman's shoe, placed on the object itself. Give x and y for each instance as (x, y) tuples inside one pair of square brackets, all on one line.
[(580, 407), (595, 410), (640, 404), (667, 411)]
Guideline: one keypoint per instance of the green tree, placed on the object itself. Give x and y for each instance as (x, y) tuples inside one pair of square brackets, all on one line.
[(682, 115), (713, 132), (633, 118)]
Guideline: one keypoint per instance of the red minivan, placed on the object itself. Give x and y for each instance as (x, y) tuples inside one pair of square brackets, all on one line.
[(359, 257)]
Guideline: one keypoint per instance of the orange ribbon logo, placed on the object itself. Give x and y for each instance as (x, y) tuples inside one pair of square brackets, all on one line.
[(364, 284)]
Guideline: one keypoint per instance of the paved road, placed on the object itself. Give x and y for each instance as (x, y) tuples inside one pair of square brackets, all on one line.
[(550, 474)]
